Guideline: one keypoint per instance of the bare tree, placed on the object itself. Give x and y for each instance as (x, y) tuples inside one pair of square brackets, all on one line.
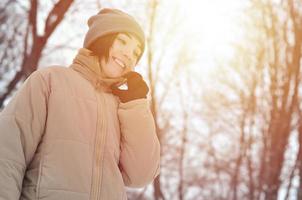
[(263, 82), (32, 42)]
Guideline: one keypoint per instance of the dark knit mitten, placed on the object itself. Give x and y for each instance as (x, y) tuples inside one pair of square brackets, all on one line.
[(137, 88)]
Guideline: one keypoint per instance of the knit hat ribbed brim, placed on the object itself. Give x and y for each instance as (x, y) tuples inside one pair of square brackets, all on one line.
[(109, 21)]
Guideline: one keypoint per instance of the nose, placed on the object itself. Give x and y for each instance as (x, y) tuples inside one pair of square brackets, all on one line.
[(126, 52), (126, 55)]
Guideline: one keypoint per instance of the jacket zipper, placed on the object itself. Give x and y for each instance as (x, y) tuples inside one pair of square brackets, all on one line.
[(98, 149)]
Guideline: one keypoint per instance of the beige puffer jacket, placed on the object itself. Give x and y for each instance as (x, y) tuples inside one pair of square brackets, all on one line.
[(52, 146)]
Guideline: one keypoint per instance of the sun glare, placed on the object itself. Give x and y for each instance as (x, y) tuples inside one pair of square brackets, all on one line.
[(215, 25)]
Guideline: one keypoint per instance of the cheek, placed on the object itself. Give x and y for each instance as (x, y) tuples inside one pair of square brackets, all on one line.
[(112, 69), (115, 47)]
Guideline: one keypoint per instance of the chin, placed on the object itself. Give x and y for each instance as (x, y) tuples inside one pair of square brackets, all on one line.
[(115, 72), (115, 75)]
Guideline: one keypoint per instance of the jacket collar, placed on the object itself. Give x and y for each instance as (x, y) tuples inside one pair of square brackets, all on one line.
[(88, 65)]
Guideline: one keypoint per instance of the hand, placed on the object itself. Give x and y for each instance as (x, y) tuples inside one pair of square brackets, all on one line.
[(137, 88)]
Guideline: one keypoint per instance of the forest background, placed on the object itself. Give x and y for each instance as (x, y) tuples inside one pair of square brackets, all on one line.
[(225, 86)]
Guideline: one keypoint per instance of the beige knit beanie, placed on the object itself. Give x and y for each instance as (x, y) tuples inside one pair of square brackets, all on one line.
[(109, 21)]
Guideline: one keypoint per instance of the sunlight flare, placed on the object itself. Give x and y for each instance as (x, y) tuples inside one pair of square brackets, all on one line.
[(215, 26)]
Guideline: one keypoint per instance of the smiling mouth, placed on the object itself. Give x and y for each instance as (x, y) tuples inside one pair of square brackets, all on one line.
[(119, 62)]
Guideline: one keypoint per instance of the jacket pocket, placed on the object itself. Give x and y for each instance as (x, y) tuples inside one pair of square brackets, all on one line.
[(66, 168)]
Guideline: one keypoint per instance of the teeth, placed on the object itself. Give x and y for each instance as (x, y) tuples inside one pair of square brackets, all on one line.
[(119, 62)]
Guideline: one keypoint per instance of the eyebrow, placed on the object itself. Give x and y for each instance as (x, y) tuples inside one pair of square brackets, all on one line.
[(131, 37)]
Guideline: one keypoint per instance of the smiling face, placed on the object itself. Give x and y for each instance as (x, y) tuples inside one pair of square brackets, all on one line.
[(123, 56)]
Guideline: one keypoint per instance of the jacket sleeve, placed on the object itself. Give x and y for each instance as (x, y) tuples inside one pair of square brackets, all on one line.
[(140, 148), (21, 127)]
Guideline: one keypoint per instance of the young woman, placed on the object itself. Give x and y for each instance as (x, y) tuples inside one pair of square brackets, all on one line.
[(71, 133)]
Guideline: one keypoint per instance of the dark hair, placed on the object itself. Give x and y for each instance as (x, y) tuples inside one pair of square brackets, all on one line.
[(102, 45)]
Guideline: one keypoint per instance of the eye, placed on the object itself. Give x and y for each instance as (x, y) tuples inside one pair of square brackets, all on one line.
[(122, 41), (136, 54)]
